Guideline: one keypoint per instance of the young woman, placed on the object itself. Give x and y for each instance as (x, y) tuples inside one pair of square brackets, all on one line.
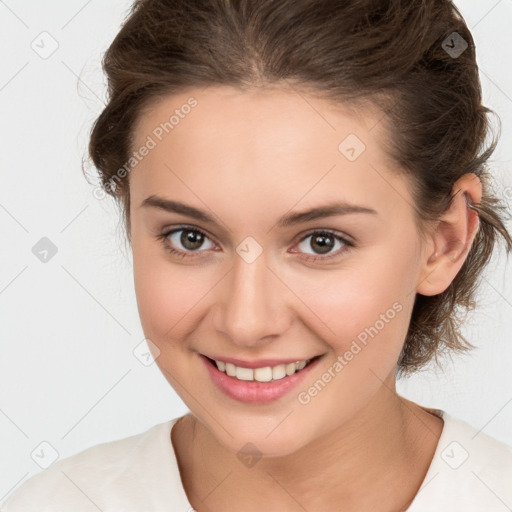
[(304, 187)]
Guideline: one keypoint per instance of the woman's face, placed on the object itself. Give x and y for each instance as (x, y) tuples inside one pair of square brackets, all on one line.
[(244, 283)]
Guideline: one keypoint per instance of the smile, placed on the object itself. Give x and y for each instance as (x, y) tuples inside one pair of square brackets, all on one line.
[(262, 384), (263, 374)]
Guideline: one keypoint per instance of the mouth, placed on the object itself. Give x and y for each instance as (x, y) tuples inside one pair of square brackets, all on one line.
[(263, 373), (258, 385)]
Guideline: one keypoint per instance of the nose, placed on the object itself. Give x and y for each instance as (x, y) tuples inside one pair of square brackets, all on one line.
[(252, 305)]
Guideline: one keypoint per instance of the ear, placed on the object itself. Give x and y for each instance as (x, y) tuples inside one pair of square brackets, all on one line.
[(450, 241)]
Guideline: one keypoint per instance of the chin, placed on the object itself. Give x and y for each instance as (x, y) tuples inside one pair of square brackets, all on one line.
[(260, 437)]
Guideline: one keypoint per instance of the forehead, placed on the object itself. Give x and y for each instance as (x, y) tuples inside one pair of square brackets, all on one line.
[(259, 115), (263, 146)]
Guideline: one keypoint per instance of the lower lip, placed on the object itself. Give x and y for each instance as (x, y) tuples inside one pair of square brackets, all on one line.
[(253, 391)]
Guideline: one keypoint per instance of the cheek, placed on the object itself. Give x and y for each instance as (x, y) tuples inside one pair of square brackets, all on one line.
[(362, 313), (363, 317), (163, 295), (168, 295)]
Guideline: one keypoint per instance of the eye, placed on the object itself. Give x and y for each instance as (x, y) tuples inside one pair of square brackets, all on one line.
[(191, 239), (322, 242)]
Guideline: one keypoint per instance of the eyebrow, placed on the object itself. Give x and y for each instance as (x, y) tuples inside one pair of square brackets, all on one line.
[(289, 219)]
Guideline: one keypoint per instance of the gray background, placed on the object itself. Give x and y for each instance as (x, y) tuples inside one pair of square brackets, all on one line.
[(69, 326)]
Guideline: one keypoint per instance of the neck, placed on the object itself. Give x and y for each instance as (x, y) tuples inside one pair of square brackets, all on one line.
[(358, 464)]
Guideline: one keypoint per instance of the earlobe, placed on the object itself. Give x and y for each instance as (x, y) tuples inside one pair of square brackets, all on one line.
[(452, 238)]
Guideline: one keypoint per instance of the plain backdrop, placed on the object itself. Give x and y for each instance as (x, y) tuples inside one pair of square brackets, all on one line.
[(72, 367)]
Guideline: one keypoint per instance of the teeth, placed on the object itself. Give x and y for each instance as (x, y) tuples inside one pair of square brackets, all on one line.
[(290, 368), (265, 374), (244, 373), (279, 371), (230, 369)]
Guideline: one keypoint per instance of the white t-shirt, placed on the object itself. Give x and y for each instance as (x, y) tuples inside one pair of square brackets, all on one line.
[(469, 472)]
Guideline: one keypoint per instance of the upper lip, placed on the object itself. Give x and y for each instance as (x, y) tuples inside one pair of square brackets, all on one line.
[(259, 363)]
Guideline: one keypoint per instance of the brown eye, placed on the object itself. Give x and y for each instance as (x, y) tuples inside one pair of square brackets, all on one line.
[(321, 245), (191, 239), (185, 240), (322, 242)]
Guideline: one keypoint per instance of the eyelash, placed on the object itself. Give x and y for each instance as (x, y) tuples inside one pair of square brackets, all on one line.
[(164, 238)]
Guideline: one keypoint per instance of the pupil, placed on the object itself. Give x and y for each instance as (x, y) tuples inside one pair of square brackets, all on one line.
[(324, 241), (191, 239)]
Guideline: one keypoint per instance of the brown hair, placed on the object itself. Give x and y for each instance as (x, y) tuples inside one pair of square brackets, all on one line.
[(389, 53)]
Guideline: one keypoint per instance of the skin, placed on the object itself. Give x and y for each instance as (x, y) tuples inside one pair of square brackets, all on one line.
[(247, 158)]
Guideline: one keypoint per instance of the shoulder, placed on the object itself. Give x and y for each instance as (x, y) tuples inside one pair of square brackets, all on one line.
[(470, 471), (104, 475)]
